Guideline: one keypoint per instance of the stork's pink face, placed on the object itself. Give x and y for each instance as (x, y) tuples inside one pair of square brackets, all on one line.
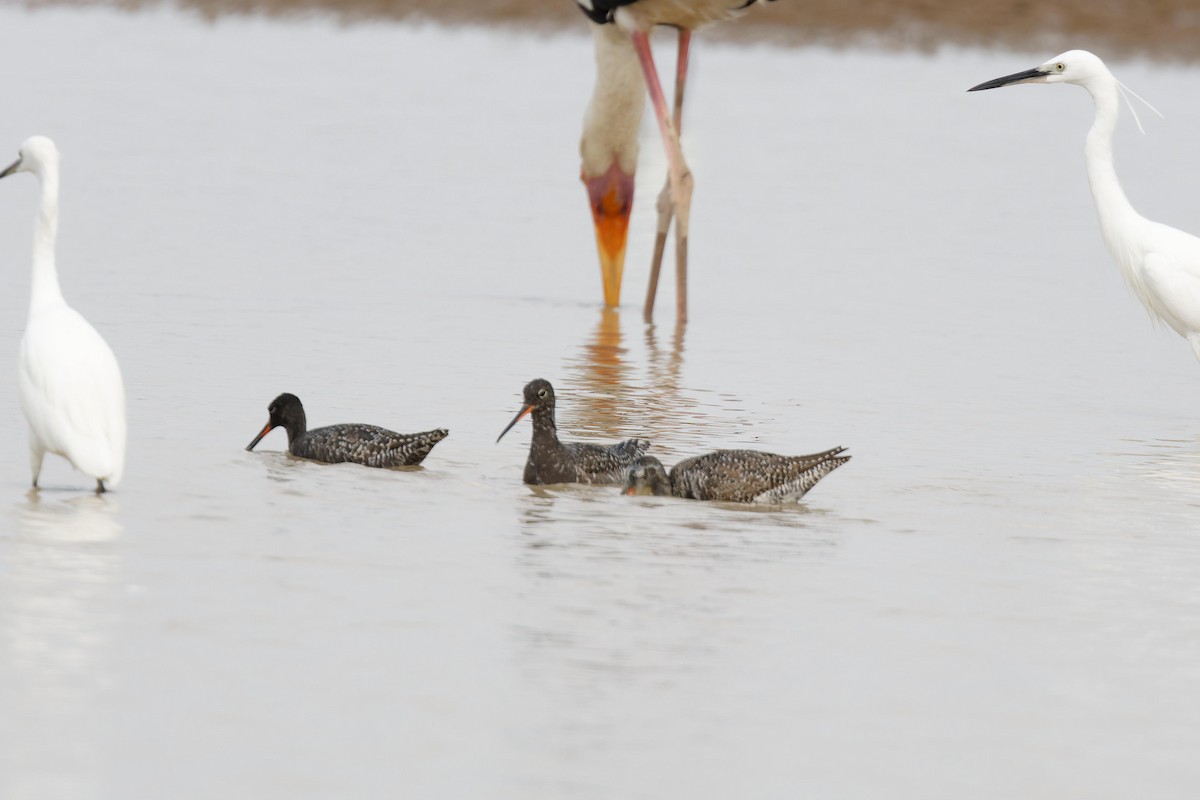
[(611, 198)]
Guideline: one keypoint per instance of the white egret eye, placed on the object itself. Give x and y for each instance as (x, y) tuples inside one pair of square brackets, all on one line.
[(1060, 67)]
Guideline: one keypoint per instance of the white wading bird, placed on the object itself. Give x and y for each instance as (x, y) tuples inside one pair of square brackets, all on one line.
[(70, 384), (1162, 264), (624, 72)]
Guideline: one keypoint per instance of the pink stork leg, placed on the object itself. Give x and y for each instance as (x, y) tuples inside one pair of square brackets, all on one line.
[(665, 210), (678, 175)]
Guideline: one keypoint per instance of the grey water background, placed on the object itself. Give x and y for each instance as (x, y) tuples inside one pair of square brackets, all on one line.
[(997, 597)]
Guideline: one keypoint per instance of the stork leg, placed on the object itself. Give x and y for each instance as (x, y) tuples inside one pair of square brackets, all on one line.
[(679, 176), (665, 211)]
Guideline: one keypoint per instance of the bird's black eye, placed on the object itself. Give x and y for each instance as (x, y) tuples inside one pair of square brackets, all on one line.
[(1060, 66), (541, 392)]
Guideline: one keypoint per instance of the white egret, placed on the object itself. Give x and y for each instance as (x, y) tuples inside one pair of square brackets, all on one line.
[(624, 72), (70, 384), (1161, 263)]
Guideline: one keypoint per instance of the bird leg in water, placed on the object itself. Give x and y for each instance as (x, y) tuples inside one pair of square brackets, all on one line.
[(36, 454), (665, 211), (679, 176)]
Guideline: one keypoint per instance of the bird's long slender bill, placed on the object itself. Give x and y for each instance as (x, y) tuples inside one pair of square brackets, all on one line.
[(1017, 77), (10, 169), (611, 199), (269, 427), (525, 410)]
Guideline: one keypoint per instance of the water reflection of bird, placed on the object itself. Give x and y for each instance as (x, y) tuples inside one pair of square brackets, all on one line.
[(1161, 264), (69, 380), (368, 445), (614, 395), (607, 392), (624, 69), (78, 518), (734, 476), (552, 461)]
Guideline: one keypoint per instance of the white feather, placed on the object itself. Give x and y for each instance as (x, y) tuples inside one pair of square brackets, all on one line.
[(1160, 263), (69, 380)]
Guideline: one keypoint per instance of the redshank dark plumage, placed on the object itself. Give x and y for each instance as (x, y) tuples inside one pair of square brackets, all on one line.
[(552, 461), (734, 476), (368, 445)]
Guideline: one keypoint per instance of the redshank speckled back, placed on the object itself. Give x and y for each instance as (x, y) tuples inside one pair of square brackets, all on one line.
[(368, 445), (552, 461), (734, 476)]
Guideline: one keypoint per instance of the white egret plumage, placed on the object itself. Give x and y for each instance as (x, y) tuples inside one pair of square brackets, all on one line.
[(1160, 263), (70, 384), (625, 71)]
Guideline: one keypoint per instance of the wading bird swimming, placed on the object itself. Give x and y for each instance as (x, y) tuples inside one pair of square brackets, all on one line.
[(68, 378), (368, 445), (734, 476), (624, 72), (1161, 263), (552, 461)]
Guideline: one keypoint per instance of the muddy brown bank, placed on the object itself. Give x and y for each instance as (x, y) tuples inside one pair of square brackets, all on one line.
[(1165, 29)]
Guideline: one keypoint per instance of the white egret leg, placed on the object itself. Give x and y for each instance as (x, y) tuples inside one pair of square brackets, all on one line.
[(36, 454), (665, 210), (679, 175)]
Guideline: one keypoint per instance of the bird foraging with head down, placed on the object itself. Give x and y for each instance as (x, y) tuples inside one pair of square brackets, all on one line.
[(734, 476), (369, 445), (625, 72)]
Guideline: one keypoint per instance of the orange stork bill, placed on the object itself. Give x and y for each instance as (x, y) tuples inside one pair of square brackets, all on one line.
[(625, 73)]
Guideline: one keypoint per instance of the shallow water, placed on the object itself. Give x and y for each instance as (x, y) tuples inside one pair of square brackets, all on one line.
[(997, 597)]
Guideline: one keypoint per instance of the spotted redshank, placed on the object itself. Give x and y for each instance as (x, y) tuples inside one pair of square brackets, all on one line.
[(368, 445), (552, 461), (734, 476)]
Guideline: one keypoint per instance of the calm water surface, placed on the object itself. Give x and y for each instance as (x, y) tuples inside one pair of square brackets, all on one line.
[(998, 597)]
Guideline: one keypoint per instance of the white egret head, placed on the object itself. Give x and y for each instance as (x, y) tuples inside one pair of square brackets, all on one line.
[(36, 153), (1073, 66)]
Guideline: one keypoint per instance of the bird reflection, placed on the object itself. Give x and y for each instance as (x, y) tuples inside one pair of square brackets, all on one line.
[(282, 468), (617, 394), (83, 518), (62, 569), (606, 392), (536, 511), (666, 404)]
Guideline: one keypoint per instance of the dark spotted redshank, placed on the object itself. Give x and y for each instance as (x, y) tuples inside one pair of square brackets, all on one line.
[(368, 445), (552, 461)]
